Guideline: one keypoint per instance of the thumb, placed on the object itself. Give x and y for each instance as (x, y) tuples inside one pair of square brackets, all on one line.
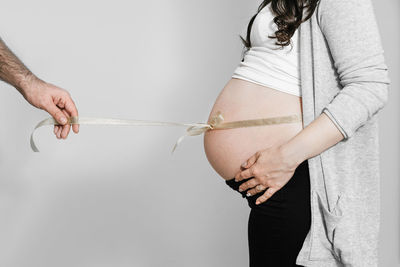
[(248, 163), (56, 113)]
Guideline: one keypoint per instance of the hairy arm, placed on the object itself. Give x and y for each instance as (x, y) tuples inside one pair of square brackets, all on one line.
[(13, 71), (56, 101)]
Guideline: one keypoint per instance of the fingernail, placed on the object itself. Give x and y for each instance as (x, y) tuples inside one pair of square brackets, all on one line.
[(244, 164), (257, 202), (63, 120), (240, 189), (248, 194)]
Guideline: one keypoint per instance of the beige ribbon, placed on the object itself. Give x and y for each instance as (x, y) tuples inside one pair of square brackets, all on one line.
[(216, 122)]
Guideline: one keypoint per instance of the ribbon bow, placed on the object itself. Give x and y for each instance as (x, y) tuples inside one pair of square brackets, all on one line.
[(197, 130)]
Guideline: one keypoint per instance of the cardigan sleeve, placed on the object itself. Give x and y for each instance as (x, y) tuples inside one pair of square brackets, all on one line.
[(353, 38)]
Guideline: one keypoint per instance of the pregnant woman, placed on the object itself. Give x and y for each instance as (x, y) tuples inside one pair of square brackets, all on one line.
[(300, 178), (266, 84)]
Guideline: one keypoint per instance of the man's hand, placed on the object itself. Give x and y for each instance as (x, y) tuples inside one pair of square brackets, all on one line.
[(40, 94), (56, 101)]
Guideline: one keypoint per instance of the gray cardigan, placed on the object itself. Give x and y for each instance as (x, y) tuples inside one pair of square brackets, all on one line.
[(344, 75)]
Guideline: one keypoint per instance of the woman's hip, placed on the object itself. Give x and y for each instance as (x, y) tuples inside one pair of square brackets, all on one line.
[(292, 198)]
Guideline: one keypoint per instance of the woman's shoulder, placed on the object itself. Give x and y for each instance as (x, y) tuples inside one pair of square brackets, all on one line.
[(344, 6), (346, 16)]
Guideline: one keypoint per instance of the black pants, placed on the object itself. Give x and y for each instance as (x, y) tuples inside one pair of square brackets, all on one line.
[(278, 226)]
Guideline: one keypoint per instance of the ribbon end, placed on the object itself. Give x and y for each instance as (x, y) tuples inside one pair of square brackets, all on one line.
[(177, 143), (33, 146), (173, 149)]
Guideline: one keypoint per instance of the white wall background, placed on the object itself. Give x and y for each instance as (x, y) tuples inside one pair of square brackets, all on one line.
[(388, 12), (113, 196)]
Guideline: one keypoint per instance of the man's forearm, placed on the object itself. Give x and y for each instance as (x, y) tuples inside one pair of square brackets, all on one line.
[(318, 136), (13, 71)]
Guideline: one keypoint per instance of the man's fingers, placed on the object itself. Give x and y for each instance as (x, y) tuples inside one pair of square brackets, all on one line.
[(65, 128), (61, 111), (59, 132), (55, 112), (267, 194), (70, 107), (65, 131)]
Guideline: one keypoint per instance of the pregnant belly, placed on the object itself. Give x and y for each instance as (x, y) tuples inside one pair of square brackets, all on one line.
[(227, 149)]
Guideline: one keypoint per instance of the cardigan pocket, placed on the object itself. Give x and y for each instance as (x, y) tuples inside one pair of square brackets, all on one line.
[(347, 235), (329, 234)]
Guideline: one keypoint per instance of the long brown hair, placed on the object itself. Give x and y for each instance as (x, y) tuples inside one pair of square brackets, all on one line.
[(289, 16)]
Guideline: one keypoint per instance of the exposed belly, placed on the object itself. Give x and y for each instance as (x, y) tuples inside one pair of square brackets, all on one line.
[(227, 149)]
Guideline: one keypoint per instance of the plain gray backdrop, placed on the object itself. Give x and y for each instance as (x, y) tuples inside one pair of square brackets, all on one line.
[(114, 196)]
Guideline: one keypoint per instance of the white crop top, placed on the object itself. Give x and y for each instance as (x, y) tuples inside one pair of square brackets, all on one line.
[(266, 63)]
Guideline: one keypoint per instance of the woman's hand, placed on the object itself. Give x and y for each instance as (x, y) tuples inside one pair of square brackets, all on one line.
[(56, 101), (273, 167), (269, 169)]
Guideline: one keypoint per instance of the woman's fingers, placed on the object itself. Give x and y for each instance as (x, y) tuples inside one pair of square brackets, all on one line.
[(248, 163), (268, 168), (267, 194), (249, 184), (257, 189), (248, 173)]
